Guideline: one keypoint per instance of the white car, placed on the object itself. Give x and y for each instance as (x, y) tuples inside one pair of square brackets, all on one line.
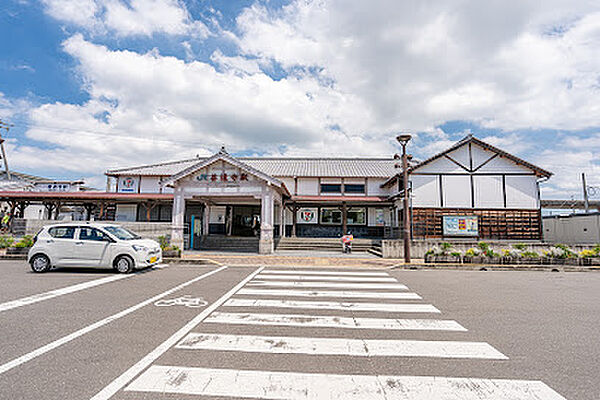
[(92, 245)]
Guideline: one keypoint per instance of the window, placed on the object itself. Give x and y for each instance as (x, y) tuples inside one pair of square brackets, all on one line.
[(354, 188), (331, 216), (91, 234), (356, 216), (122, 233), (62, 232), (331, 188)]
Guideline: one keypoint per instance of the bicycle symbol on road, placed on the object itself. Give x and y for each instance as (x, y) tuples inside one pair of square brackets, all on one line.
[(187, 300)]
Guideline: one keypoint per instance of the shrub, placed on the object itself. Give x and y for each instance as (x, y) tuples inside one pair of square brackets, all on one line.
[(520, 246), (163, 241), (445, 246), (555, 252), (588, 253), (530, 254), (596, 249), (25, 241), (455, 254), (473, 252), (6, 241), (568, 252)]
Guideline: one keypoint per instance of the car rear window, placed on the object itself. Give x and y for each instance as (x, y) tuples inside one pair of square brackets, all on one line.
[(62, 232)]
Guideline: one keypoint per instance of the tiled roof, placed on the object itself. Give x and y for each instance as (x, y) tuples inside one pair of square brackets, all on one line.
[(283, 167)]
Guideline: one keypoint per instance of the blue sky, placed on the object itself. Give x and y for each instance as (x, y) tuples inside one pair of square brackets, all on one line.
[(97, 84)]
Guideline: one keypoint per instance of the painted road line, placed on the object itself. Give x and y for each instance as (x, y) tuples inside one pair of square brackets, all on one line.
[(317, 321), (397, 286), (331, 293), (60, 292), (340, 346), (335, 273), (59, 342), (327, 278), (145, 362), (333, 305), (305, 386)]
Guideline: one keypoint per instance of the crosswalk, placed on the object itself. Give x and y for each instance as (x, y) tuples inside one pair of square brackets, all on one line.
[(353, 316)]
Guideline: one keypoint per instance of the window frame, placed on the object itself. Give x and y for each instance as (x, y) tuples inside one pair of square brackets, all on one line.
[(104, 234), (364, 188), (334, 210), (62, 227), (365, 213), (332, 191)]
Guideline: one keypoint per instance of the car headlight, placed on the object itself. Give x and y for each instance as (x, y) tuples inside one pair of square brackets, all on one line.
[(138, 247)]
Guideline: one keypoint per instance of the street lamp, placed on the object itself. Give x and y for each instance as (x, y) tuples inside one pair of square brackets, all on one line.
[(403, 140)]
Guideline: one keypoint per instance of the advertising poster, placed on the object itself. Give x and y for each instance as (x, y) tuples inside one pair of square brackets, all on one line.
[(308, 215), (460, 225), (379, 218), (128, 184)]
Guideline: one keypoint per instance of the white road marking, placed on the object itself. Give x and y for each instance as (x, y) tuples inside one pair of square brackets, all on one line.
[(60, 292), (336, 273), (331, 293), (333, 305), (397, 286), (305, 386), (315, 321), (65, 339), (327, 278), (340, 346), (132, 372)]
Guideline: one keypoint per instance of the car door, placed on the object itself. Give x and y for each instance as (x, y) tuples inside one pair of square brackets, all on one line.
[(91, 246), (60, 244)]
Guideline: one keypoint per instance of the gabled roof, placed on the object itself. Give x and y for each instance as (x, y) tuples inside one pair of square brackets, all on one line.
[(472, 139), (224, 156), (281, 167)]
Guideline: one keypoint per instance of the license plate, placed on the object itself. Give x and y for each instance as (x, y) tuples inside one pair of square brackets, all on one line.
[(152, 260)]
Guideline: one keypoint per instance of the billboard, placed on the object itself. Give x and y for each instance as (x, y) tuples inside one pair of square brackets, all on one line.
[(460, 225)]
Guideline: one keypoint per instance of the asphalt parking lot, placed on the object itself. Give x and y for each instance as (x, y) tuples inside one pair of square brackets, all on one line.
[(192, 331)]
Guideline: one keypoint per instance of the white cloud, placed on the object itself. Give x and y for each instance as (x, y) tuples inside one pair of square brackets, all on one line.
[(127, 18), (357, 73), (421, 64)]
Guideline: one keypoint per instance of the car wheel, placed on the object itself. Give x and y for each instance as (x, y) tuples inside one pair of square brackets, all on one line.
[(123, 264), (40, 263)]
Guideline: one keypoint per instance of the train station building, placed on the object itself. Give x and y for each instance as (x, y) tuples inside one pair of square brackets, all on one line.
[(471, 190)]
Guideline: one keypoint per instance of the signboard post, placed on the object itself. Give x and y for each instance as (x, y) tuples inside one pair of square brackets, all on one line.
[(460, 225)]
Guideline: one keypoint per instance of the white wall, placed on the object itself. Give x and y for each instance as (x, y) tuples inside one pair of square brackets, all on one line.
[(374, 187), (488, 191), (308, 186), (425, 190), (456, 190), (289, 184), (149, 184), (521, 192)]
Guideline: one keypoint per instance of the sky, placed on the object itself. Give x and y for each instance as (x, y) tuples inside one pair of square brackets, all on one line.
[(91, 85)]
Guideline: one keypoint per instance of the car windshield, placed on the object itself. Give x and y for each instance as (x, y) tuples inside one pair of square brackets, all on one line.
[(122, 233)]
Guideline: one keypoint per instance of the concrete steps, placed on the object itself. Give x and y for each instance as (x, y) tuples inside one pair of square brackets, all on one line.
[(323, 244), (229, 243)]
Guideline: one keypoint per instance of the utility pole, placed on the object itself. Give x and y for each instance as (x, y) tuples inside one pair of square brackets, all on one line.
[(585, 193), (4, 125), (403, 140)]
